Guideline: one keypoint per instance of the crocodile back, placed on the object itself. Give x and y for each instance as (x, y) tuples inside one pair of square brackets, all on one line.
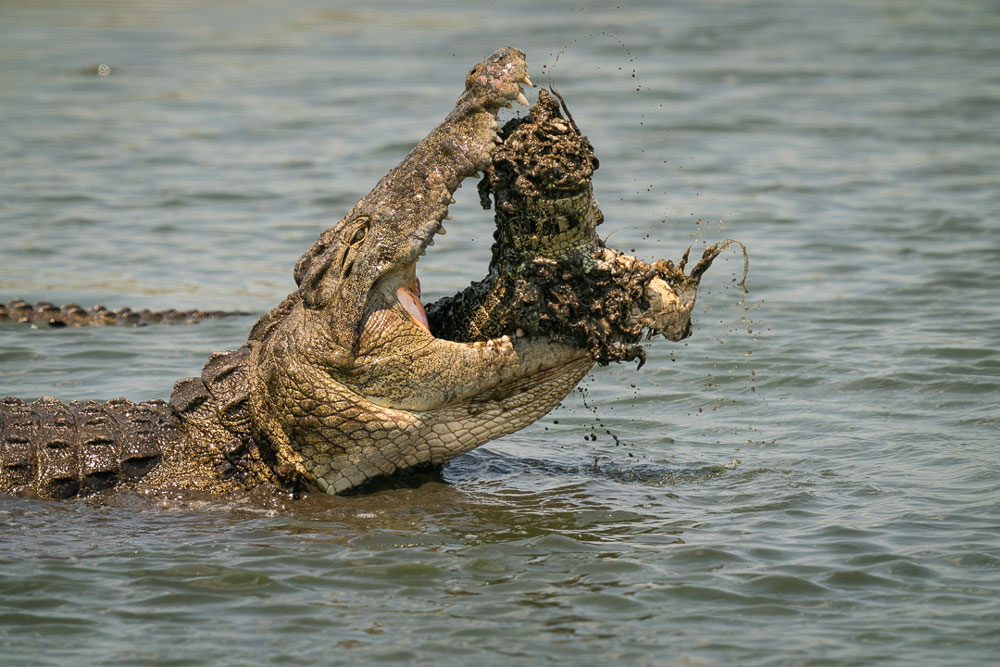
[(51, 449), (44, 313)]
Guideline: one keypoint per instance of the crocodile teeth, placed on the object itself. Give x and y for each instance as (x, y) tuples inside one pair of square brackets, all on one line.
[(527, 80), (522, 99), (447, 216), (441, 231)]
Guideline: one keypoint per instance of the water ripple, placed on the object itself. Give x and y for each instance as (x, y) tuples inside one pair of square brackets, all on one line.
[(819, 490)]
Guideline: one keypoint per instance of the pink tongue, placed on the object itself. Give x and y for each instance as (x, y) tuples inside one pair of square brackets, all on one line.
[(413, 307)]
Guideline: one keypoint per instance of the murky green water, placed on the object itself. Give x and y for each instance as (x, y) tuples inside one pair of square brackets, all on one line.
[(813, 478)]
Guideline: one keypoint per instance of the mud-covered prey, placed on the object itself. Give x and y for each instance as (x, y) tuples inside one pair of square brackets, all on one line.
[(550, 274)]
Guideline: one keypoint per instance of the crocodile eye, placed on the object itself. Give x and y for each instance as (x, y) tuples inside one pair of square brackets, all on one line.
[(359, 235)]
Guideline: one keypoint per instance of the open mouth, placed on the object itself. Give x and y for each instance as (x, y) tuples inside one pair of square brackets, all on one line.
[(407, 290), (409, 299)]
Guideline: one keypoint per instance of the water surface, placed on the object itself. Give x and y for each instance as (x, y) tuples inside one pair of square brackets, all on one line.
[(811, 479)]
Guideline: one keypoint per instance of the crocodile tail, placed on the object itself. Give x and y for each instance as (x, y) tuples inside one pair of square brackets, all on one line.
[(72, 315), (218, 403), (51, 449)]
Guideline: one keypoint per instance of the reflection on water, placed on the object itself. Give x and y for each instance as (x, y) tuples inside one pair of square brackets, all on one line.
[(810, 479)]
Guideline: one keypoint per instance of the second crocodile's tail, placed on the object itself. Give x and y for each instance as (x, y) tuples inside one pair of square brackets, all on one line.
[(72, 315)]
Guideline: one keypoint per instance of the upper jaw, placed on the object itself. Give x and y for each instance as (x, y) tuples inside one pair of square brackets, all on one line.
[(493, 83), (496, 82), (424, 235)]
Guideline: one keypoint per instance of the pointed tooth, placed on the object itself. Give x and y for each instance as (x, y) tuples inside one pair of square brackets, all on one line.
[(442, 231), (451, 200), (527, 80), (522, 99), (431, 243), (447, 216)]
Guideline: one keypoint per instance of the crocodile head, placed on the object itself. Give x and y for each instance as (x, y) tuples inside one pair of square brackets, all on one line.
[(348, 381)]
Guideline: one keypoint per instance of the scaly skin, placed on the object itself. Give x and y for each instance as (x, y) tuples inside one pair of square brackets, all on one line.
[(343, 382), (72, 315)]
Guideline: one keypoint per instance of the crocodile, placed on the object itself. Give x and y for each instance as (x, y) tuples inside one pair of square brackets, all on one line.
[(350, 380), (75, 315)]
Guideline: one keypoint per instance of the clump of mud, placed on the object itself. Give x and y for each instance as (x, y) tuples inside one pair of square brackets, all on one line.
[(607, 305), (550, 274)]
